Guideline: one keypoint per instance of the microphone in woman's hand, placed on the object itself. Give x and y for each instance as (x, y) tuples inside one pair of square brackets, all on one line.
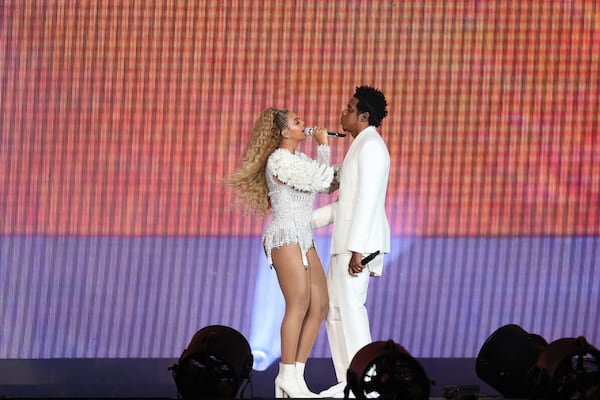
[(309, 132)]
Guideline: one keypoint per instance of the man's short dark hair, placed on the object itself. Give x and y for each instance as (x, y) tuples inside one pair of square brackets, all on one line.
[(373, 101)]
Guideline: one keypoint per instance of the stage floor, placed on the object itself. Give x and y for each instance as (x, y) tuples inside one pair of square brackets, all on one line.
[(150, 378)]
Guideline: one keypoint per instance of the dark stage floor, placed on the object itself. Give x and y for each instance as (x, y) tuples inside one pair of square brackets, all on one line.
[(150, 378)]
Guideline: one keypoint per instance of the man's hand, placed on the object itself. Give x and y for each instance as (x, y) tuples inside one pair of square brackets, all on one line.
[(355, 267)]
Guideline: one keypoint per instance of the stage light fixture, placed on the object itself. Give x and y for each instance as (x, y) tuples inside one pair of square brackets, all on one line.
[(569, 368), (507, 361), (386, 370), (214, 365)]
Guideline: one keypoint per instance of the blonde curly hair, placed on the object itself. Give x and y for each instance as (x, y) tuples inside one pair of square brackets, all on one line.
[(249, 181)]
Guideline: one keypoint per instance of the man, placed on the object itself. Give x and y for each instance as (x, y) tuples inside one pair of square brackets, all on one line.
[(360, 228)]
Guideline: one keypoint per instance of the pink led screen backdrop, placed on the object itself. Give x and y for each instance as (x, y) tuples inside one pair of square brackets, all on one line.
[(118, 121)]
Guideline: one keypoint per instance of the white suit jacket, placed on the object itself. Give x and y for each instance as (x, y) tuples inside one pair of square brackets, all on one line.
[(359, 219)]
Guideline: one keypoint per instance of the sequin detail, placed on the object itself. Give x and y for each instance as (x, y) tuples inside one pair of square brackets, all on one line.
[(293, 181)]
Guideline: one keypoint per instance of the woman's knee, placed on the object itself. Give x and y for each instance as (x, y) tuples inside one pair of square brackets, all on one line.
[(319, 307), (298, 305), (324, 308)]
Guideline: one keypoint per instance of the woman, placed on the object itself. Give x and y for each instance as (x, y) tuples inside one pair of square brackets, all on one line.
[(274, 176)]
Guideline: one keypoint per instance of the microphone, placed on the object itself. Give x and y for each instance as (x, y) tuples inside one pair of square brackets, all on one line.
[(369, 258), (309, 132)]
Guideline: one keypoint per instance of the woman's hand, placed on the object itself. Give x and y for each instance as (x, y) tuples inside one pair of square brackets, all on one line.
[(320, 135)]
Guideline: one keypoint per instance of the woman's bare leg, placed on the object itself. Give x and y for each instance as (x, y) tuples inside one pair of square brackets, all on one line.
[(295, 284), (317, 308)]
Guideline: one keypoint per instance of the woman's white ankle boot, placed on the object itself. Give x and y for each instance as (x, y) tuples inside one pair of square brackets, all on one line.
[(286, 382), (302, 382)]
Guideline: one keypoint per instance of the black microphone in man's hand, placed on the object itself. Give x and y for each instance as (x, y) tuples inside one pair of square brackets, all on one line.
[(369, 258), (309, 132)]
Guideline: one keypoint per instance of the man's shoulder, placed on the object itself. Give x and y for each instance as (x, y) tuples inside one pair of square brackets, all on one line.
[(373, 142), (372, 134)]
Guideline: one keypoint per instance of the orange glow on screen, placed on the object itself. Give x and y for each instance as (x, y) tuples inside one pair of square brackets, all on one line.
[(121, 118)]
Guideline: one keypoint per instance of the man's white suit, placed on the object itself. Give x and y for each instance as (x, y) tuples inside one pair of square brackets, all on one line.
[(360, 225)]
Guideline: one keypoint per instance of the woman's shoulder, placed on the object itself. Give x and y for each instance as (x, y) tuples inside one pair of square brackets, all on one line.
[(284, 156)]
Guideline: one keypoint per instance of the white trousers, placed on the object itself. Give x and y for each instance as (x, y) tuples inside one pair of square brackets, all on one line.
[(347, 323)]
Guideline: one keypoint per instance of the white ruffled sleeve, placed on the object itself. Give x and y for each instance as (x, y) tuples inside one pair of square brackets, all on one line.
[(300, 171), (323, 154)]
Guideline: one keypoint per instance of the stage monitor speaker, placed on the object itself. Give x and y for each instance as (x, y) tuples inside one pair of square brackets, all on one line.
[(214, 365), (385, 370), (569, 368), (507, 361)]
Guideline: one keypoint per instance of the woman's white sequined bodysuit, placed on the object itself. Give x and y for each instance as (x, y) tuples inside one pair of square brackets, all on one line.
[(292, 181)]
